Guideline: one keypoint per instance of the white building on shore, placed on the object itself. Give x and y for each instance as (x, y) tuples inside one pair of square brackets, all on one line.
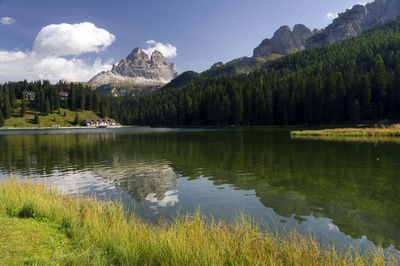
[(99, 123)]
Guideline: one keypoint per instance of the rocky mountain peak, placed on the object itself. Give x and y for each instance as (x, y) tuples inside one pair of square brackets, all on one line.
[(347, 25), (137, 54), (356, 20), (218, 64), (157, 58), (380, 11), (139, 65), (138, 71), (284, 41)]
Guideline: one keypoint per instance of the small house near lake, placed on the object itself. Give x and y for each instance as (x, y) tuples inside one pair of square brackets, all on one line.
[(99, 123), (29, 95), (63, 95)]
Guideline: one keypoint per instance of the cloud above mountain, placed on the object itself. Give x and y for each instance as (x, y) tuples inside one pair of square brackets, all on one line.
[(168, 50), (331, 15), (55, 54), (72, 39)]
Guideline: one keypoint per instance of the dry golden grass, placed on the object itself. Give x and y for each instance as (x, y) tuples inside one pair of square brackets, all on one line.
[(377, 132), (103, 234)]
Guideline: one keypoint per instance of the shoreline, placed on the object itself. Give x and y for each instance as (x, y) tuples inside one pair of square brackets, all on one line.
[(378, 132), (97, 232), (58, 128)]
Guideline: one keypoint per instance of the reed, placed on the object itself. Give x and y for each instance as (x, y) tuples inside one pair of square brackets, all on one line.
[(377, 132), (101, 233)]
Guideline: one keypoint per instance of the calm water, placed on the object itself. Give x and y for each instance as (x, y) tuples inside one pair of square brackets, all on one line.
[(338, 191)]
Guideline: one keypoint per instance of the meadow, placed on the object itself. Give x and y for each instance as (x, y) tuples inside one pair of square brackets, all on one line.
[(64, 118)]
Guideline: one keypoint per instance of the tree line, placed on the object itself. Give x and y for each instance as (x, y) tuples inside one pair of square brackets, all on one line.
[(46, 99), (350, 81)]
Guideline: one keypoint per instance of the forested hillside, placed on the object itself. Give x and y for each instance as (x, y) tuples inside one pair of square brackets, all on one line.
[(44, 98), (354, 80)]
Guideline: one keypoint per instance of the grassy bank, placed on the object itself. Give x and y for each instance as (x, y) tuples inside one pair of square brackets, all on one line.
[(65, 118), (99, 233), (388, 132)]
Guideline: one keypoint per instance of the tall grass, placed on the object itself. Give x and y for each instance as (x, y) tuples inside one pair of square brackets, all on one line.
[(391, 131), (103, 234)]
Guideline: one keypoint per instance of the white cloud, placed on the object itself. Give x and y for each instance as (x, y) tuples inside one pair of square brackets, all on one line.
[(331, 15), (168, 50), (11, 56), (72, 39), (7, 21), (19, 65), (46, 60)]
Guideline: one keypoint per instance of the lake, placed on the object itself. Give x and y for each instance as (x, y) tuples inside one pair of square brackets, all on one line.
[(346, 193)]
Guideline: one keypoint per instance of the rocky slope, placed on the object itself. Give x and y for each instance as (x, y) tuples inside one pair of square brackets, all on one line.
[(284, 41), (356, 20), (137, 72), (349, 24)]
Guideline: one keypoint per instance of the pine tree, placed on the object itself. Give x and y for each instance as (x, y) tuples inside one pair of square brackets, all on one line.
[(237, 108), (76, 120), (42, 102), (7, 110), (23, 107), (36, 120), (1, 119), (47, 107), (365, 98), (13, 98)]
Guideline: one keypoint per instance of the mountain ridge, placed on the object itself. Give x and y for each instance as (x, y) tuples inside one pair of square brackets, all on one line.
[(348, 24)]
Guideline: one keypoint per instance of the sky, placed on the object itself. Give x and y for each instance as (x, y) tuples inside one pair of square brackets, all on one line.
[(74, 40)]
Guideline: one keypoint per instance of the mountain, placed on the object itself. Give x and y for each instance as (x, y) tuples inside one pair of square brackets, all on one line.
[(349, 24), (183, 79), (243, 65), (137, 72), (351, 81), (355, 21), (285, 41)]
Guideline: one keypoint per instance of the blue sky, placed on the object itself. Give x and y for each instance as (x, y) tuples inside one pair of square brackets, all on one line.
[(203, 32)]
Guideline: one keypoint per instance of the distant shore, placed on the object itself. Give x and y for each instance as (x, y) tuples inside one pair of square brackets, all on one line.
[(58, 128)]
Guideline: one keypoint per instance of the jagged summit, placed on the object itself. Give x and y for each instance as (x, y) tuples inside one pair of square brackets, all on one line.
[(137, 54), (284, 41), (355, 21), (138, 70), (348, 24), (138, 65)]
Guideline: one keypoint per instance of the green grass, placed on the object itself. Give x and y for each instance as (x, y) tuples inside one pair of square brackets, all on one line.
[(272, 57), (27, 241), (17, 121), (101, 233)]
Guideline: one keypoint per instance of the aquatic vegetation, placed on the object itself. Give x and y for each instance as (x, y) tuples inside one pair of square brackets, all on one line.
[(377, 132)]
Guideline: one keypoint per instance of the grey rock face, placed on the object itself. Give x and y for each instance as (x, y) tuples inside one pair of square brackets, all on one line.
[(355, 21), (218, 64), (284, 41), (139, 65), (380, 11), (347, 25)]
